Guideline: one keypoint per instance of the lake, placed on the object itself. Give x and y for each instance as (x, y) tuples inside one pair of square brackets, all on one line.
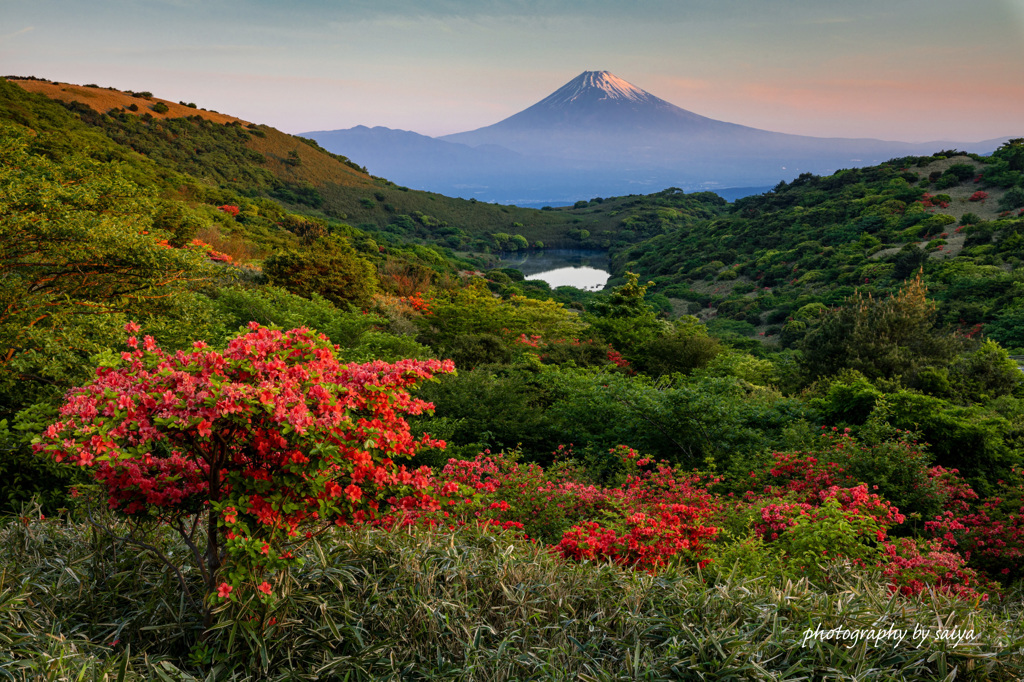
[(581, 268)]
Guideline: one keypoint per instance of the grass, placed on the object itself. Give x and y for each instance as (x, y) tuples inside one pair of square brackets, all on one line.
[(464, 605)]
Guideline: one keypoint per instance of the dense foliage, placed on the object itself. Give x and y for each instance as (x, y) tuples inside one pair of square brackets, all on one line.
[(802, 402), (272, 440)]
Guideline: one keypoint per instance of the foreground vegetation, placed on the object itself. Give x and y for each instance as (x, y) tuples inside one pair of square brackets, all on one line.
[(369, 604), (625, 491)]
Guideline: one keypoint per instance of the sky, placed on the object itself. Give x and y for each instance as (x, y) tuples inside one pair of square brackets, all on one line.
[(912, 70)]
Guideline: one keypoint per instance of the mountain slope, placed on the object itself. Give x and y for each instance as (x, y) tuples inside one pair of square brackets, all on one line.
[(600, 117), (252, 160), (601, 100)]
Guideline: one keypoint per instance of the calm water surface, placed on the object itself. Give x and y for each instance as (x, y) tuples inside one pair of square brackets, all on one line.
[(580, 268)]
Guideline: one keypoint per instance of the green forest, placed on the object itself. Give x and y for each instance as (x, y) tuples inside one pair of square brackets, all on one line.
[(265, 416)]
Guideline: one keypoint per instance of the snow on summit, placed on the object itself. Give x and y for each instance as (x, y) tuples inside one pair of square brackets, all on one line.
[(598, 85)]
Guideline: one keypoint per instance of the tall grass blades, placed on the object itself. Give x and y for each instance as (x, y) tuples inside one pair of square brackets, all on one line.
[(368, 604)]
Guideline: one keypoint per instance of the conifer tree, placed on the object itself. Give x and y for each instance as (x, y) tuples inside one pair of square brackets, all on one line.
[(890, 338)]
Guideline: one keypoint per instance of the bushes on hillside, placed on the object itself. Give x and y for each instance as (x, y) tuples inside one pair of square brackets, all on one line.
[(892, 338), (329, 267)]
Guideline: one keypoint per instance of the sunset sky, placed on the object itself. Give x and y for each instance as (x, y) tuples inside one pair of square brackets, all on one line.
[(915, 70)]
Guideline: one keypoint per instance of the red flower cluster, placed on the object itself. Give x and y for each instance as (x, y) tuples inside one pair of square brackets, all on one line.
[(213, 255), (533, 341), (648, 540), (615, 357), (928, 201), (272, 434), (990, 533), (418, 303), (914, 567), (657, 515), (230, 210), (978, 196)]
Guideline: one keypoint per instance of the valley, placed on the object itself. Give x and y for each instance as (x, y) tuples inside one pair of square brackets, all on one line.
[(266, 415)]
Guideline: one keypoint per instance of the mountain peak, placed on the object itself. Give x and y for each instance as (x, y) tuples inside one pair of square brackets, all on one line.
[(592, 100), (596, 86)]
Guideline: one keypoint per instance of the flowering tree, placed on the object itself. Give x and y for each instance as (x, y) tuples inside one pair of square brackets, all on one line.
[(270, 441)]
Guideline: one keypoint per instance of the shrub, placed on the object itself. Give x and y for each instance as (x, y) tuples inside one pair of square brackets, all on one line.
[(992, 532), (329, 267), (160, 108), (892, 337), (914, 566), (272, 440), (1014, 198), (475, 310), (687, 348), (657, 516), (955, 174), (180, 221)]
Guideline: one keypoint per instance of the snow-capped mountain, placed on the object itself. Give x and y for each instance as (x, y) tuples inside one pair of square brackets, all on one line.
[(600, 118), (601, 135), (599, 85), (595, 99)]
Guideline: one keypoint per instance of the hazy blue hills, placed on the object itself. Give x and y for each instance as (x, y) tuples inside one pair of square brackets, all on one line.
[(600, 135)]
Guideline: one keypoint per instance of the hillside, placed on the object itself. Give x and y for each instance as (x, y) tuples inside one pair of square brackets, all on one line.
[(818, 239), (110, 100), (745, 266), (241, 438), (247, 158)]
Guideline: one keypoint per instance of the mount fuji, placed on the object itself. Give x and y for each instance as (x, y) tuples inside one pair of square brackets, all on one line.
[(596, 103), (601, 135)]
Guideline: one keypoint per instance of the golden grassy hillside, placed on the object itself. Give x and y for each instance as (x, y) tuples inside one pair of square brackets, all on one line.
[(105, 100), (314, 166)]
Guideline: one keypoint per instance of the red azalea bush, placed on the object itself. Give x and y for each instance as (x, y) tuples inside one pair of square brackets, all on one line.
[(806, 509), (650, 539), (830, 524), (895, 465), (230, 210), (661, 515), (581, 352), (417, 302), (272, 436), (990, 533), (978, 196), (930, 201), (211, 253), (657, 515), (913, 566), (497, 490)]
